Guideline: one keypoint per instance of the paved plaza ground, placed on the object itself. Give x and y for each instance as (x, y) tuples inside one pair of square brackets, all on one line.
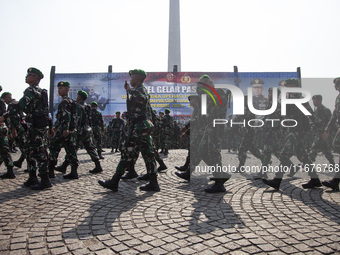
[(80, 217)]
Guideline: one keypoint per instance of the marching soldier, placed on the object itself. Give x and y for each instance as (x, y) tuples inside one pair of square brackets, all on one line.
[(139, 134), (294, 144), (334, 183), (205, 142), (167, 127), (322, 116), (4, 146), (97, 127), (248, 139), (84, 134), (116, 127), (33, 103), (17, 131), (64, 132)]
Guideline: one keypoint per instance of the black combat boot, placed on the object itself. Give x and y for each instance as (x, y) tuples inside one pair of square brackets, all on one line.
[(18, 163), (162, 166), (62, 168), (333, 184), (9, 174), (51, 170), (152, 185), (131, 172), (43, 184), (185, 175), (217, 187), (162, 151), (275, 183), (186, 165), (97, 169), (166, 152), (111, 184), (144, 177), (32, 179), (313, 183), (73, 175)]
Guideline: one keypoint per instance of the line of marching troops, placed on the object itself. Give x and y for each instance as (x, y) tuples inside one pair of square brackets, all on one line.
[(78, 124), (304, 140), (166, 134)]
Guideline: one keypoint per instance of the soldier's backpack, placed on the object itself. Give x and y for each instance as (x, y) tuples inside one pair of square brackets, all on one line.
[(73, 111), (41, 117)]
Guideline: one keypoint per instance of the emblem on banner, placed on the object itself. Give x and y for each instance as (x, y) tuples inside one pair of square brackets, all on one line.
[(186, 79), (169, 77)]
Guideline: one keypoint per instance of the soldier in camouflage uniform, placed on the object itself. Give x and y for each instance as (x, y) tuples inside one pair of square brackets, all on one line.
[(17, 131), (4, 147), (63, 133), (205, 140), (116, 126), (157, 131), (84, 135), (248, 138), (167, 127), (322, 116), (97, 127), (294, 142), (334, 183), (139, 134), (32, 103), (272, 138)]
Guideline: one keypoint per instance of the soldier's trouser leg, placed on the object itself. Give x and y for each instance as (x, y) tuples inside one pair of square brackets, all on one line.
[(90, 149), (4, 152), (55, 147)]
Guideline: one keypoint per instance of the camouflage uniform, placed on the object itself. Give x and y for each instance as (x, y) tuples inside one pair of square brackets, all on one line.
[(139, 131), (248, 140), (16, 126), (97, 128), (4, 148), (65, 120), (116, 127), (167, 127), (157, 133), (322, 116)]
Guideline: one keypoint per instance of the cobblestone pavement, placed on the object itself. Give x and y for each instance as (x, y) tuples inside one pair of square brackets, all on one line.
[(80, 217)]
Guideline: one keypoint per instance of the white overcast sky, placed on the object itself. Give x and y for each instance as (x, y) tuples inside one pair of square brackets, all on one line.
[(87, 36)]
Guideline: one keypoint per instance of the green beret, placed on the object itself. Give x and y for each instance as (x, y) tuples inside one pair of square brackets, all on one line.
[(317, 97), (257, 83), (63, 84), (154, 111), (36, 71), (161, 112), (293, 81), (138, 72), (230, 115), (83, 94), (5, 94), (94, 103), (167, 111), (118, 112), (336, 80)]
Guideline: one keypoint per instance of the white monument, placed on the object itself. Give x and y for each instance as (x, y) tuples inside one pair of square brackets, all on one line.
[(174, 48)]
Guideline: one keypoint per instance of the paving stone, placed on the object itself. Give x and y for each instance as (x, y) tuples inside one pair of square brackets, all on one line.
[(80, 217)]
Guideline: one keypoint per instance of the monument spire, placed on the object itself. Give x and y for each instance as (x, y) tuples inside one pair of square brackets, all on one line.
[(174, 47)]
